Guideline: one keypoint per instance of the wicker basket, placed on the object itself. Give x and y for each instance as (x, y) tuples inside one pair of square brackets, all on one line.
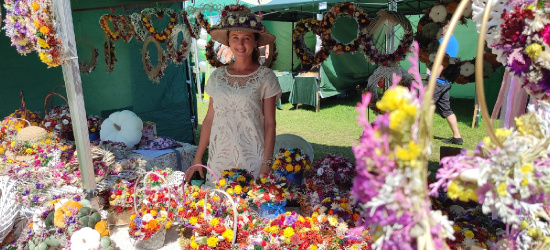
[(7, 207), (119, 219), (155, 242), (305, 206)]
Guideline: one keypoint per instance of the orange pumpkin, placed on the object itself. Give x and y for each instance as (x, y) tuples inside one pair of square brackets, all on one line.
[(63, 212), (102, 228)]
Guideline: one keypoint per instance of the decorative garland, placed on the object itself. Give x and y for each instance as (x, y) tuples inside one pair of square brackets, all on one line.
[(86, 68), (49, 43), (103, 22), (110, 54), (346, 9), (17, 26), (200, 22), (139, 29), (154, 73), (428, 35), (400, 53), (124, 28), (146, 21), (305, 55), (175, 53)]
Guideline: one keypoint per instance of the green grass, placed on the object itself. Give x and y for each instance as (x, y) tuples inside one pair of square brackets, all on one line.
[(334, 128)]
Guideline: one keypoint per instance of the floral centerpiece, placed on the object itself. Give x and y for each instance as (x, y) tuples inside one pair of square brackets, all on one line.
[(270, 192), (330, 171), (215, 234), (392, 170), (121, 197), (16, 121), (235, 182), (94, 126), (291, 163), (58, 120)]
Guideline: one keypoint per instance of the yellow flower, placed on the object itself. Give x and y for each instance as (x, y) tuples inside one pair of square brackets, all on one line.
[(238, 189), (45, 58), (241, 178), (289, 167), (288, 232), (228, 235), (193, 220), (523, 225), (1, 150), (35, 6), (408, 154), (222, 183), (525, 182), (36, 24), (273, 229), (274, 167), (501, 189), (48, 141), (332, 220), (344, 205), (297, 168), (215, 221), (44, 30), (194, 244), (154, 212), (469, 234), (28, 151), (43, 44), (527, 168), (168, 224), (533, 50), (230, 191), (287, 153), (263, 180), (313, 247), (212, 241), (288, 159), (231, 173), (225, 173)]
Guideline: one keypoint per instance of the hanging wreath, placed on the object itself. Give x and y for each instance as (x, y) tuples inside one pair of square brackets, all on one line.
[(124, 27), (159, 13), (305, 55), (19, 26), (175, 53), (139, 29), (104, 23), (394, 19), (110, 54), (154, 73), (200, 22), (49, 43), (88, 67), (345, 9), (428, 34)]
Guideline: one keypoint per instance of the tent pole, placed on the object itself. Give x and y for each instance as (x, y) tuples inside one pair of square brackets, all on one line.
[(75, 96)]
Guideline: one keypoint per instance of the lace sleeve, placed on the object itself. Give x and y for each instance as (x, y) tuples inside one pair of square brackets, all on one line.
[(270, 86), (210, 84)]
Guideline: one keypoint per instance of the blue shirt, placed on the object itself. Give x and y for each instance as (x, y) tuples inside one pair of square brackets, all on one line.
[(452, 51)]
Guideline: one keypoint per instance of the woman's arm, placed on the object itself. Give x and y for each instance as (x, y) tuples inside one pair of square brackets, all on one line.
[(270, 132), (203, 142)]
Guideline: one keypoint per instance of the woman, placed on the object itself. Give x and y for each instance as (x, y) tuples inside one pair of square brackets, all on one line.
[(239, 126)]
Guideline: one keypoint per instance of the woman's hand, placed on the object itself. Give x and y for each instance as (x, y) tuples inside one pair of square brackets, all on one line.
[(191, 170)]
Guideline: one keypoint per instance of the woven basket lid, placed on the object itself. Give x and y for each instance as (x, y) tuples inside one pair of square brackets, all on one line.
[(32, 133), (288, 141)]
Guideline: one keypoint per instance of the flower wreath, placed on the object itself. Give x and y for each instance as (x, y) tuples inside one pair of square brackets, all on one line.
[(175, 53), (110, 54), (428, 34), (88, 67), (200, 22), (49, 43), (146, 21), (154, 73), (400, 53), (212, 57), (139, 29), (356, 13), (124, 28), (103, 22), (18, 16), (302, 51)]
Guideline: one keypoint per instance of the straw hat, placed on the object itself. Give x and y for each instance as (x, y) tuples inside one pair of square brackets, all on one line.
[(239, 18)]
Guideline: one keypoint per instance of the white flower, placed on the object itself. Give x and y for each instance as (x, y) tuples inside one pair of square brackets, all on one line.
[(147, 217), (252, 23), (467, 69), (47, 124), (320, 171), (242, 19), (438, 13), (58, 126), (65, 121), (231, 21), (468, 242), (85, 239), (468, 11)]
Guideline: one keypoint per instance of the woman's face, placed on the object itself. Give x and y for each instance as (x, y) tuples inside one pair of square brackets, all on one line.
[(242, 44)]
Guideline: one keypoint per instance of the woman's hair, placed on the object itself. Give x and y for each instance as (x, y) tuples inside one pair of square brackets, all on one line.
[(256, 51)]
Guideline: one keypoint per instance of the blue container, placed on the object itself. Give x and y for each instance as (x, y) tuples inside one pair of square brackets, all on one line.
[(292, 178), (270, 210), (94, 136)]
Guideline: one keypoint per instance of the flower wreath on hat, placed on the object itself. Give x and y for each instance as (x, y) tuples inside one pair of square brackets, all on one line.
[(240, 18), (428, 35)]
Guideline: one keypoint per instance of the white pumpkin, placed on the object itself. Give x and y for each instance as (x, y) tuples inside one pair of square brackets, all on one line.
[(85, 239), (123, 126)]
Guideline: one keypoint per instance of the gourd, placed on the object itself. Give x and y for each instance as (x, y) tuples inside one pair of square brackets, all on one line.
[(63, 212), (102, 228), (84, 239), (123, 126), (89, 217), (49, 220), (106, 243)]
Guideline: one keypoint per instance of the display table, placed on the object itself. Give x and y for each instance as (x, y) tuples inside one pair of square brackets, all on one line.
[(177, 159), (286, 81), (305, 91)]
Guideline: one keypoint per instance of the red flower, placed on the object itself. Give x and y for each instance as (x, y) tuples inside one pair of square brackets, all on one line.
[(266, 197)]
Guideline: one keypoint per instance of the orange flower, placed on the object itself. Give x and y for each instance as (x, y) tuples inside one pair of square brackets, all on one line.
[(35, 6), (461, 80), (451, 7)]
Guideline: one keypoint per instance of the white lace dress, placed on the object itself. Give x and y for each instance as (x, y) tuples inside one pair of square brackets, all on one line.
[(237, 135)]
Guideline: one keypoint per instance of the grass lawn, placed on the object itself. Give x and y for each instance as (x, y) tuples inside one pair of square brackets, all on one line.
[(334, 128)]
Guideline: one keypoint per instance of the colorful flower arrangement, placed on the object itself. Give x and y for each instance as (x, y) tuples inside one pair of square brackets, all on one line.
[(303, 53), (157, 211), (178, 53), (269, 189), (58, 120), (525, 38), (235, 182), (509, 181), (121, 197), (215, 234), (291, 161), (199, 22), (94, 123), (392, 170), (48, 41), (146, 20), (389, 59), (328, 172), (430, 29), (154, 179), (103, 22), (17, 26), (125, 28), (345, 9), (16, 121)]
